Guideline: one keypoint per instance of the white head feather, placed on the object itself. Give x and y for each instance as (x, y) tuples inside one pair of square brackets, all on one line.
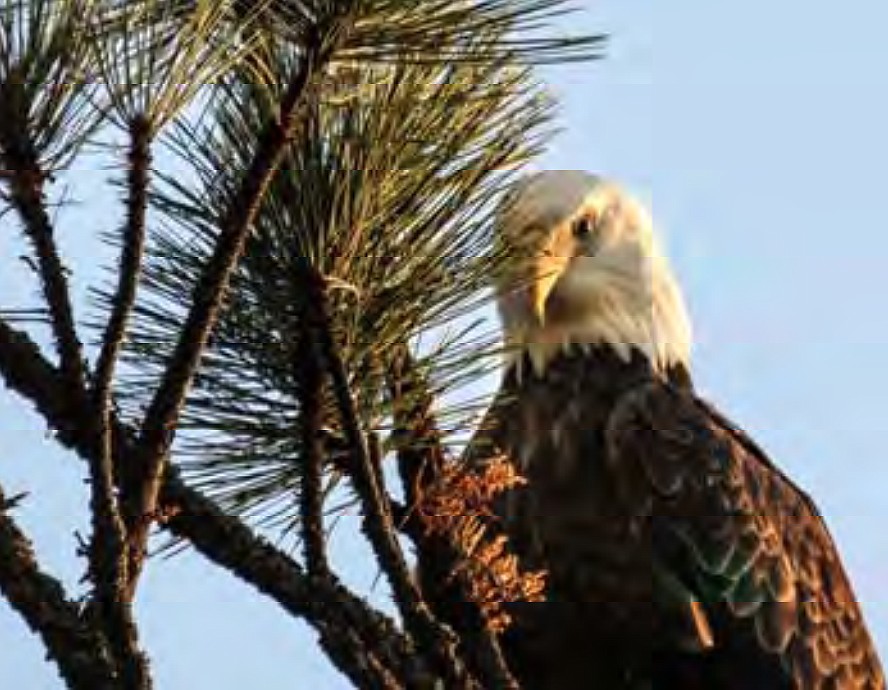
[(585, 268)]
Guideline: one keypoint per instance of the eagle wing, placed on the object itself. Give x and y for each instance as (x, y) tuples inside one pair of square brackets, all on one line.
[(738, 539)]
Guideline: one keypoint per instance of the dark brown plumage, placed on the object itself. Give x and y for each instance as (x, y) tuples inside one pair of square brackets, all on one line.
[(679, 557)]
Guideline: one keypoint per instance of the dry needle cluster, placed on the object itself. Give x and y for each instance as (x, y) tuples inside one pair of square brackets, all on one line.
[(458, 506)]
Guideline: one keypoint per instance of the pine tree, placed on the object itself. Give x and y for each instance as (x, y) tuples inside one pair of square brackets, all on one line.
[(304, 190)]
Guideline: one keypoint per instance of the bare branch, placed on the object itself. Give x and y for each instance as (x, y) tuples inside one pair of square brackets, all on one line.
[(78, 650)]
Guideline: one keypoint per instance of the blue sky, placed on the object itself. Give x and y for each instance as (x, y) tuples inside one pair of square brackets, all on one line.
[(757, 133)]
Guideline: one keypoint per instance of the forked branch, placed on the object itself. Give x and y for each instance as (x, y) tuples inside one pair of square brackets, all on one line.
[(108, 546), (221, 538)]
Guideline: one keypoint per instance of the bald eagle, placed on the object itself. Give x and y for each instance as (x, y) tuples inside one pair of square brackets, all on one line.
[(678, 555)]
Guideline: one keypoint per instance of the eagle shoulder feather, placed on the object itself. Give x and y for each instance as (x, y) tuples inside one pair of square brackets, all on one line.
[(750, 544)]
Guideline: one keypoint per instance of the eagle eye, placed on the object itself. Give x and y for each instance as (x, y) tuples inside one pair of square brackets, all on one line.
[(584, 227)]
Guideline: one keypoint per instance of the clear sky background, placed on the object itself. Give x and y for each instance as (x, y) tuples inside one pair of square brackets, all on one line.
[(757, 132)]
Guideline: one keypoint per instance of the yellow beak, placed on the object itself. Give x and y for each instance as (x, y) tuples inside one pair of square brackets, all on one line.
[(548, 270)]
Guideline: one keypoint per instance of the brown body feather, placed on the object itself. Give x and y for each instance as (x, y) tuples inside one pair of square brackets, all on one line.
[(678, 556)]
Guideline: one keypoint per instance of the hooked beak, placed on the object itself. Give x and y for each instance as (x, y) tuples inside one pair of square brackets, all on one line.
[(547, 271)]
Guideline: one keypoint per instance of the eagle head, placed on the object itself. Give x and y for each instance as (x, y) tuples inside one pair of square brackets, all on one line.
[(583, 267)]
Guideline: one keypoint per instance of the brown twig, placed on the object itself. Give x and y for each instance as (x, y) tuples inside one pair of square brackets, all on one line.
[(164, 410), (78, 650)]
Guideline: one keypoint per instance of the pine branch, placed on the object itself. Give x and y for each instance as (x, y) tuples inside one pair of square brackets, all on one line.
[(165, 408), (46, 113), (223, 539), (307, 367), (77, 649), (436, 642), (46, 91), (349, 654), (389, 195), (108, 552), (26, 195), (132, 250), (152, 62), (421, 460), (366, 186), (420, 455), (324, 603), (25, 370)]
